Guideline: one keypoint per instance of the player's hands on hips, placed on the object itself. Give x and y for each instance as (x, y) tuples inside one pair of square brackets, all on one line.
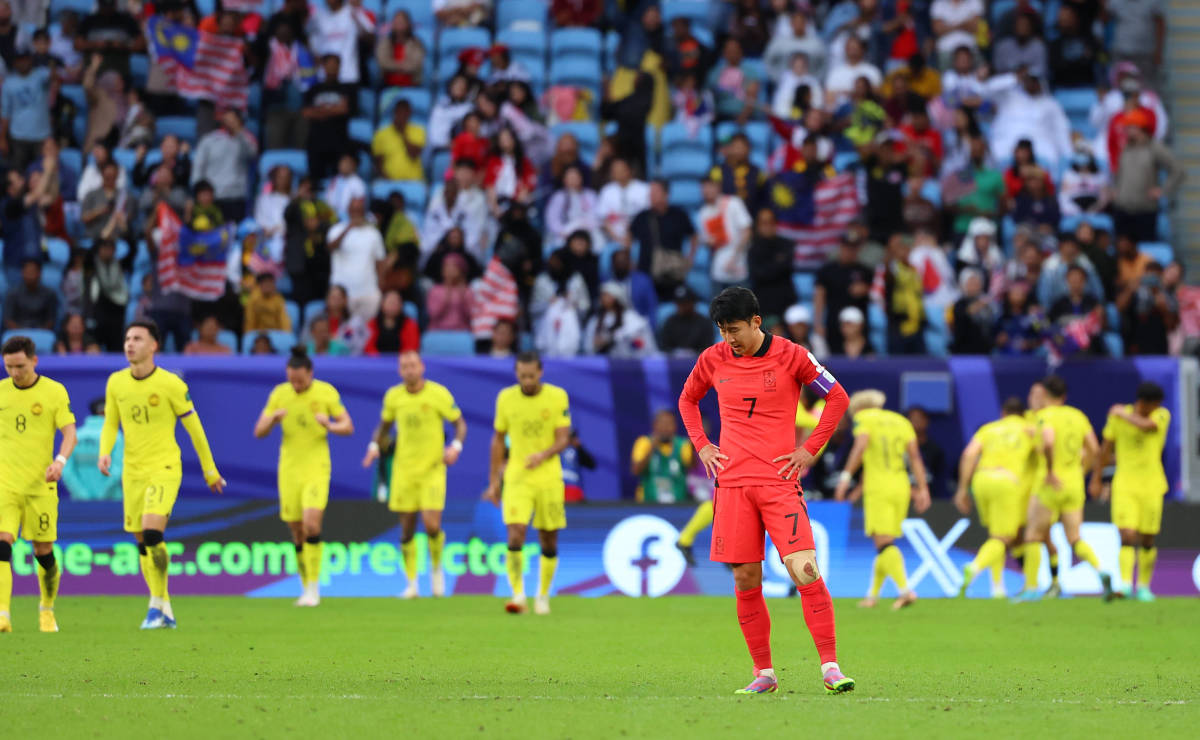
[(712, 456), (54, 472), (1053, 481), (962, 501), (921, 499), (492, 493), (371, 456), (104, 464), (798, 462), (450, 456)]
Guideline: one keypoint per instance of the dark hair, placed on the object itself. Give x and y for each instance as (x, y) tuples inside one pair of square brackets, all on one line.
[(96, 407), (1077, 268), (263, 277), (202, 186), (149, 326), (662, 183), (529, 356), (1150, 391), (1013, 406), (19, 344), (1055, 386), (733, 304), (299, 359), (41, 33)]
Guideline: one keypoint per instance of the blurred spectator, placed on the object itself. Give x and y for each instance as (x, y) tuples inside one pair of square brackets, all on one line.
[(575, 459), (769, 261), (685, 331), (1137, 189), (841, 282), (621, 200), (578, 257), (449, 301), (470, 144), (1052, 283), (71, 288), (902, 298), (637, 284), (73, 338), (686, 53), (265, 308), (956, 23), (851, 333), (735, 86), (349, 331), (90, 178), (356, 257), (173, 155), (973, 317), (963, 81), (451, 245), (1034, 205), (750, 27), (403, 245), (504, 69), (113, 35), (1021, 323), (964, 126), (1074, 52), (202, 212), (725, 231), (557, 333), (617, 330), (738, 175), (345, 186), (508, 175), (449, 110), (1085, 187), (797, 91), (335, 30), (573, 206), (920, 135), (845, 74), (798, 327), (106, 98), (25, 110), (1025, 110), (106, 294), (980, 250), (206, 341), (661, 461), (269, 209), (328, 106), (1014, 177), (399, 54), (1079, 302), (571, 13), (1128, 93), (1151, 314), (864, 115), (641, 31), (504, 340), (225, 157), (1097, 251), (457, 203), (29, 304), (630, 114), (62, 45), (694, 106), (661, 230), (262, 345), (1023, 49), (107, 212), (20, 226), (397, 147), (305, 253), (931, 452), (392, 331), (1139, 33), (783, 49), (322, 342), (1130, 265), (461, 12), (565, 156), (918, 211)]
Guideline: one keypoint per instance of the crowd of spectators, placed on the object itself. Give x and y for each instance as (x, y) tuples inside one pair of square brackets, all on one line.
[(427, 176)]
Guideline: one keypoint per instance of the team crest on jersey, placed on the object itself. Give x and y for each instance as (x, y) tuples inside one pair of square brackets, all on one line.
[(153, 399), (545, 413), (36, 409), (768, 380)]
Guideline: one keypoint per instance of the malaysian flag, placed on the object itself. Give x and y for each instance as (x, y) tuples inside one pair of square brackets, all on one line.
[(202, 65), (493, 297), (814, 216), (289, 62), (190, 262)]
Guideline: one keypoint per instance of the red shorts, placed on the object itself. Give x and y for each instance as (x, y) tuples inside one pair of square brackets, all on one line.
[(740, 516)]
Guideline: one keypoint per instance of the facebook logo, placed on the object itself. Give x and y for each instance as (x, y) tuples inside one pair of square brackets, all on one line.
[(640, 556)]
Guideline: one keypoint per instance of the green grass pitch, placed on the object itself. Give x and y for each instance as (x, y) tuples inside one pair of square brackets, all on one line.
[(597, 668)]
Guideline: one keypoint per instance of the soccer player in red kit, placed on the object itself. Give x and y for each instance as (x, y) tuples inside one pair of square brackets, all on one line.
[(758, 378)]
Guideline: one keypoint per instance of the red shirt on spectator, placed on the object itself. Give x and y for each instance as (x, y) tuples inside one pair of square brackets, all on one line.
[(1013, 183), (468, 146), (384, 340), (526, 177), (930, 139)]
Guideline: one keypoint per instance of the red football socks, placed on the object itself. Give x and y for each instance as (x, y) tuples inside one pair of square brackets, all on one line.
[(755, 621), (818, 614)]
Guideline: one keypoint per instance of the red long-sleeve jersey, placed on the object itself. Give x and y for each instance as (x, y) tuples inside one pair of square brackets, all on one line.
[(757, 397)]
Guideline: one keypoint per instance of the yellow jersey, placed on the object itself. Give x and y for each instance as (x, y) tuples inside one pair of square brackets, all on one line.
[(420, 425), (530, 422), (1007, 444), (147, 410), (889, 433), (1070, 427), (305, 443), (1139, 454), (29, 417)]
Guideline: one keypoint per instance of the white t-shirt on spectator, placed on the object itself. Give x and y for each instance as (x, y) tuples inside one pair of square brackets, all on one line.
[(728, 264), (840, 80), (956, 87), (470, 213), (954, 12), (618, 205), (341, 190), (337, 33), (352, 264)]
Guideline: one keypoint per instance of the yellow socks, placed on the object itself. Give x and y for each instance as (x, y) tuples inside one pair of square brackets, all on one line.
[(1033, 563), (160, 561), (515, 560), (48, 579), (408, 552), (878, 576), (990, 555), (1084, 552), (312, 559), (435, 550), (892, 563), (301, 566), (701, 519), (546, 568), (148, 572), (1127, 559), (1146, 560), (5, 585)]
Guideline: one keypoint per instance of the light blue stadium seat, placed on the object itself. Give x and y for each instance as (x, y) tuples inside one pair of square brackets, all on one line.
[(447, 66), (577, 71), (227, 338), (524, 41), (676, 137), (585, 132), (43, 339), (1076, 102), (522, 13), (182, 126), (877, 329), (296, 159), (453, 40), (411, 310), (139, 69), (701, 285), (612, 42), (58, 251), (365, 102), (313, 308), (1158, 251), (937, 334), (362, 130), (575, 42), (72, 159), (1114, 344), (685, 164), (805, 284), (1112, 316), (685, 193), (126, 158), (452, 343), (665, 311), (419, 98), (75, 94), (52, 276), (421, 12), (438, 165), (282, 341), (697, 11), (416, 193), (293, 312)]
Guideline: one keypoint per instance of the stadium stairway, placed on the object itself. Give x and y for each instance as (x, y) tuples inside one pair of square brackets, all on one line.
[(1183, 92)]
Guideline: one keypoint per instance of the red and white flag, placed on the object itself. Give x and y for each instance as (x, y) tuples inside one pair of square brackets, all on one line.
[(835, 205), (493, 297), (217, 70)]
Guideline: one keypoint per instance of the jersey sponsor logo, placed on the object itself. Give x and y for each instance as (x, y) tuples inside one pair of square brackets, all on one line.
[(769, 380), (724, 380), (36, 409), (640, 557), (153, 400)]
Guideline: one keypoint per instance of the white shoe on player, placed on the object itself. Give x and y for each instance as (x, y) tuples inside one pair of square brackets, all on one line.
[(437, 578), (410, 592), (541, 605)]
